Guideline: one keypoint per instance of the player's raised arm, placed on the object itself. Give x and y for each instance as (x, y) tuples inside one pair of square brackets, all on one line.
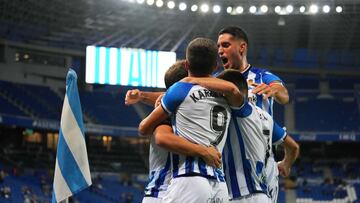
[(272, 86), (146, 127), (230, 91), (292, 151), (281, 94), (134, 96), (165, 138)]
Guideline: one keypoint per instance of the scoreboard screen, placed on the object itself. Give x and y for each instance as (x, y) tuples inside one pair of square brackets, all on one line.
[(127, 66)]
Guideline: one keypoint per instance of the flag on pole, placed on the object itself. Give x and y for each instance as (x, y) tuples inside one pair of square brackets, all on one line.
[(72, 173)]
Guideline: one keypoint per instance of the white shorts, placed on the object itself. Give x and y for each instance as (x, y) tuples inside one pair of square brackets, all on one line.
[(151, 200), (272, 178), (196, 189), (253, 198)]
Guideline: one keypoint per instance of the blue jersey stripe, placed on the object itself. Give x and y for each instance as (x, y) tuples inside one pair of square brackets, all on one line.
[(175, 160), (202, 167), (162, 176), (259, 171), (259, 98), (271, 101), (232, 171), (246, 163), (189, 164), (219, 175)]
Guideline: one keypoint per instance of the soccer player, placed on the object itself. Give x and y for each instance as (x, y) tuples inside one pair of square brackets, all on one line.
[(251, 134), (201, 116), (264, 87), (159, 159)]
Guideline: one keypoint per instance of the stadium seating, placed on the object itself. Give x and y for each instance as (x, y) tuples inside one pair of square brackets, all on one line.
[(331, 115), (107, 107), (8, 108), (35, 184), (40, 101)]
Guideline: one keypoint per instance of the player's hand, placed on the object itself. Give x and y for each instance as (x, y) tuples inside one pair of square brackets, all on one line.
[(158, 100), (212, 157), (132, 97), (263, 89), (284, 169)]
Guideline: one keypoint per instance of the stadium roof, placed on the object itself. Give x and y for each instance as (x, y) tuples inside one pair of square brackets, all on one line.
[(77, 23)]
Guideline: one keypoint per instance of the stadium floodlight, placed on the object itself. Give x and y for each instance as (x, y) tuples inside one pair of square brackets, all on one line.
[(150, 2), (339, 9), (326, 9), (239, 9), (204, 8), (252, 9), (159, 3), (216, 9), (264, 8), (229, 9), (314, 9), (302, 9), (140, 1), (194, 8), (277, 9), (171, 4), (289, 8), (182, 6)]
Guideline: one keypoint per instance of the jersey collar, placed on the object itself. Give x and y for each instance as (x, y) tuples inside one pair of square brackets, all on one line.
[(246, 71)]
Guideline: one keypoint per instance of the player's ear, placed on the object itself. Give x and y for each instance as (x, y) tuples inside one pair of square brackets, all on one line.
[(242, 47), (186, 65)]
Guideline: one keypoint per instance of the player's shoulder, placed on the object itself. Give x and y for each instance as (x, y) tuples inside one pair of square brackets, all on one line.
[(180, 89), (259, 70), (182, 85), (175, 95)]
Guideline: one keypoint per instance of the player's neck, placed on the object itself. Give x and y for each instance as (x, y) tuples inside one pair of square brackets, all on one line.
[(198, 76), (244, 67)]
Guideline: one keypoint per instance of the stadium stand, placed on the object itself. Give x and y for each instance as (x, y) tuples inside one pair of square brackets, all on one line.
[(317, 56)]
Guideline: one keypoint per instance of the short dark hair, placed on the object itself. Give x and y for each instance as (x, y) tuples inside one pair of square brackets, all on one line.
[(175, 73), (236, 78), (236, 32), (201, 53)]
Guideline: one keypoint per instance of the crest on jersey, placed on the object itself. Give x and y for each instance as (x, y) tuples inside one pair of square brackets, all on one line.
[(251, 97)]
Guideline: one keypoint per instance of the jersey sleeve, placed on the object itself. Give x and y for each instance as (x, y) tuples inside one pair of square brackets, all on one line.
[(278, 135), (174, 96), (268, 78), (243, 111)]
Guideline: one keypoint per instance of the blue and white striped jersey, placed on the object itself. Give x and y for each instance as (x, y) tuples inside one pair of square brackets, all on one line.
[(258, 75), (159, 171), (251, 133), (201, 116)]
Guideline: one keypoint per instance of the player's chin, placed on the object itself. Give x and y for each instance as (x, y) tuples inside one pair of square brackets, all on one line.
[(227, 66)]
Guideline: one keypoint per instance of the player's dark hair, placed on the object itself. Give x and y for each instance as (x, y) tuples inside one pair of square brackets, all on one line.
[(236, 78), (175, 73), (201, 53), (236, 32)]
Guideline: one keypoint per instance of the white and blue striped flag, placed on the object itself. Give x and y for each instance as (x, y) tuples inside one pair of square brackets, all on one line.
[(72, 173)]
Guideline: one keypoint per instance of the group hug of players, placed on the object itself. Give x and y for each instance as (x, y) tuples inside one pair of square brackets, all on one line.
[(211, 138)]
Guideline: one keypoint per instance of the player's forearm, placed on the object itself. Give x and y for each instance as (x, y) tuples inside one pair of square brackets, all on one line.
[(215, 84), (281, 96), (146, 127), (178, 145), (149, 97), (292, 151), (230, 91)]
